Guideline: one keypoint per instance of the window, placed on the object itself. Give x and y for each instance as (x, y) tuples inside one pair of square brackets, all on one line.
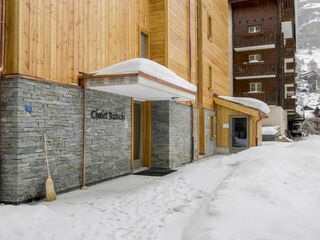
[(209, 28), (144, 45), (254, 58), (255, 87), (254, 29), (210, 78), (289, 90), (211, 127)]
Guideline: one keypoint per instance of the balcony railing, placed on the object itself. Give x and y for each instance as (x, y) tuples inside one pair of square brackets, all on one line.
[(269, 97), (255, 69), (254, 39)]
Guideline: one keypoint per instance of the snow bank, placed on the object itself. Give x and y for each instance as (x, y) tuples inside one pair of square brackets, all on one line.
[(272, 194), (147, 66), (249, 102), (271, 130)]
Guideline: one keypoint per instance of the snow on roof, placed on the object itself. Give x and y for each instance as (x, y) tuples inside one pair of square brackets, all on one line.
[(271, 130), (149, 67), (249, 102)]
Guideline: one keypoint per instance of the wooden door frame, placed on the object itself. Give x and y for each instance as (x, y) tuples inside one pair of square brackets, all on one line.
[(238, 149)]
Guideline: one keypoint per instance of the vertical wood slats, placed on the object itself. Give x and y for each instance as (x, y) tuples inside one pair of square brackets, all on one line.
[(56, 39)]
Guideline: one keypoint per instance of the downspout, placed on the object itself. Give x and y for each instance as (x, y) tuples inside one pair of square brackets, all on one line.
[(3, 22), (190, 77), (84, 134), (260, 118)]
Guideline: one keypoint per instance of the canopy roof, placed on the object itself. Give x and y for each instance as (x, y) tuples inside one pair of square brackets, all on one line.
[(249, 102), (142, 79)]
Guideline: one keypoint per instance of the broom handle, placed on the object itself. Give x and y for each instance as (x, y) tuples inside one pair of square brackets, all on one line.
[(45, 149)]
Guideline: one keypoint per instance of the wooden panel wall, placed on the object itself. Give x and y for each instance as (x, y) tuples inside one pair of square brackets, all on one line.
[(214, 52), (56, 39), (158, 31), (179, 29), (223, 117)]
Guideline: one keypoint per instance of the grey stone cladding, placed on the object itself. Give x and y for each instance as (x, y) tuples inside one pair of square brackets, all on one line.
[(171, 134), (210, 144), (57, 111)]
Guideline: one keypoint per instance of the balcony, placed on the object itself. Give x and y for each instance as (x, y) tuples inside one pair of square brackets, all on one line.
[(255, 69), (254, 39), (269, 97)]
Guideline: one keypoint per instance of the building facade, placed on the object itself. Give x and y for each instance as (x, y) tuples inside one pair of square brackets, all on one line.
[(264, 55), (97, 126)]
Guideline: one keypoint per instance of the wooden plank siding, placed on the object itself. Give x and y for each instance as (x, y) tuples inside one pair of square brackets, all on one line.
[(223, 117), (214, 51), (56, 39)]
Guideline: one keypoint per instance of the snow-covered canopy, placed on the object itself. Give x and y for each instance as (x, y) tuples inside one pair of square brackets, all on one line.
[(149, 67), (270, 130), (249, 102)]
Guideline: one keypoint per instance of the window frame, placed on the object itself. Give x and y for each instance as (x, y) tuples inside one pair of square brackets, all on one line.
[(210, 74), (147, 34), (256, 29), (257, 58), (209, 28), (212, 123), (256, 88)]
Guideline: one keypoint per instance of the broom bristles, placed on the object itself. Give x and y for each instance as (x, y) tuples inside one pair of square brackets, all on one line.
[(50, 193)]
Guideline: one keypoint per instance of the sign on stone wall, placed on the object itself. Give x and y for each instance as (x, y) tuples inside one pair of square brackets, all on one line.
[(102, 114)]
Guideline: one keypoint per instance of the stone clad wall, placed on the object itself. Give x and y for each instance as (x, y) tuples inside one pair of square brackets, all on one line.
[(108, 141), (171, 134), (57, 111), (160, 134), (180, 134)]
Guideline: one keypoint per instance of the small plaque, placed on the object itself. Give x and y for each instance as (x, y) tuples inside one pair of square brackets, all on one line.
[(226, 125), (28, 109)]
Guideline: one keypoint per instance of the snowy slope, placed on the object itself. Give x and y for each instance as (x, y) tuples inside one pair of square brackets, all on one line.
[(270, 192)]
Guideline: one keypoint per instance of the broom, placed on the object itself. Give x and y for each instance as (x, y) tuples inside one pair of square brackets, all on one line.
[(50, 193)]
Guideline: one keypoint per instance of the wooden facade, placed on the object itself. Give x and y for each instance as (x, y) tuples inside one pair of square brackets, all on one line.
[(57, 39), (225, 110), (274, 70)]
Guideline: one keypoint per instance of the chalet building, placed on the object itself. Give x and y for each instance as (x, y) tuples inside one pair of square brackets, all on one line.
[(115, 86), (264, 56), (312, 79)]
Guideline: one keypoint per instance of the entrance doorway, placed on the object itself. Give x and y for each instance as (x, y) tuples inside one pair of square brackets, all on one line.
[(137, 146), (239, 133)]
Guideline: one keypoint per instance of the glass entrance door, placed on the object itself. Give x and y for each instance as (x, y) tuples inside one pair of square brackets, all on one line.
[(239, 134)]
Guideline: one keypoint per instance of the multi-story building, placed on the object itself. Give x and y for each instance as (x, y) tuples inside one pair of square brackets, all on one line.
[(115, 85), (264, 55)]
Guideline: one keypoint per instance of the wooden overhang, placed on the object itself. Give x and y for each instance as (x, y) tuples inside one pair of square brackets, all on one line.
[(239, 107)]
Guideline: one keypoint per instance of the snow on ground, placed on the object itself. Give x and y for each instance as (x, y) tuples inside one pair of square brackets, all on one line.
[(269, 192)]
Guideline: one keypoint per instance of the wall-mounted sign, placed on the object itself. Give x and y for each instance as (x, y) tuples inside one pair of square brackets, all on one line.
[(28, 109), (101, 114), (226, 125)]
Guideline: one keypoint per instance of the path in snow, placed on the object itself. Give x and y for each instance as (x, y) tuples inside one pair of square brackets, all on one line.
[(265, 193), (132, 207)]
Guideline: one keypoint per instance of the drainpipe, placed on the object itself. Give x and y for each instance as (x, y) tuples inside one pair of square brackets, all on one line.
[(190, 76), (3, 25), (84, 134), (192, 132), (260, 118)]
